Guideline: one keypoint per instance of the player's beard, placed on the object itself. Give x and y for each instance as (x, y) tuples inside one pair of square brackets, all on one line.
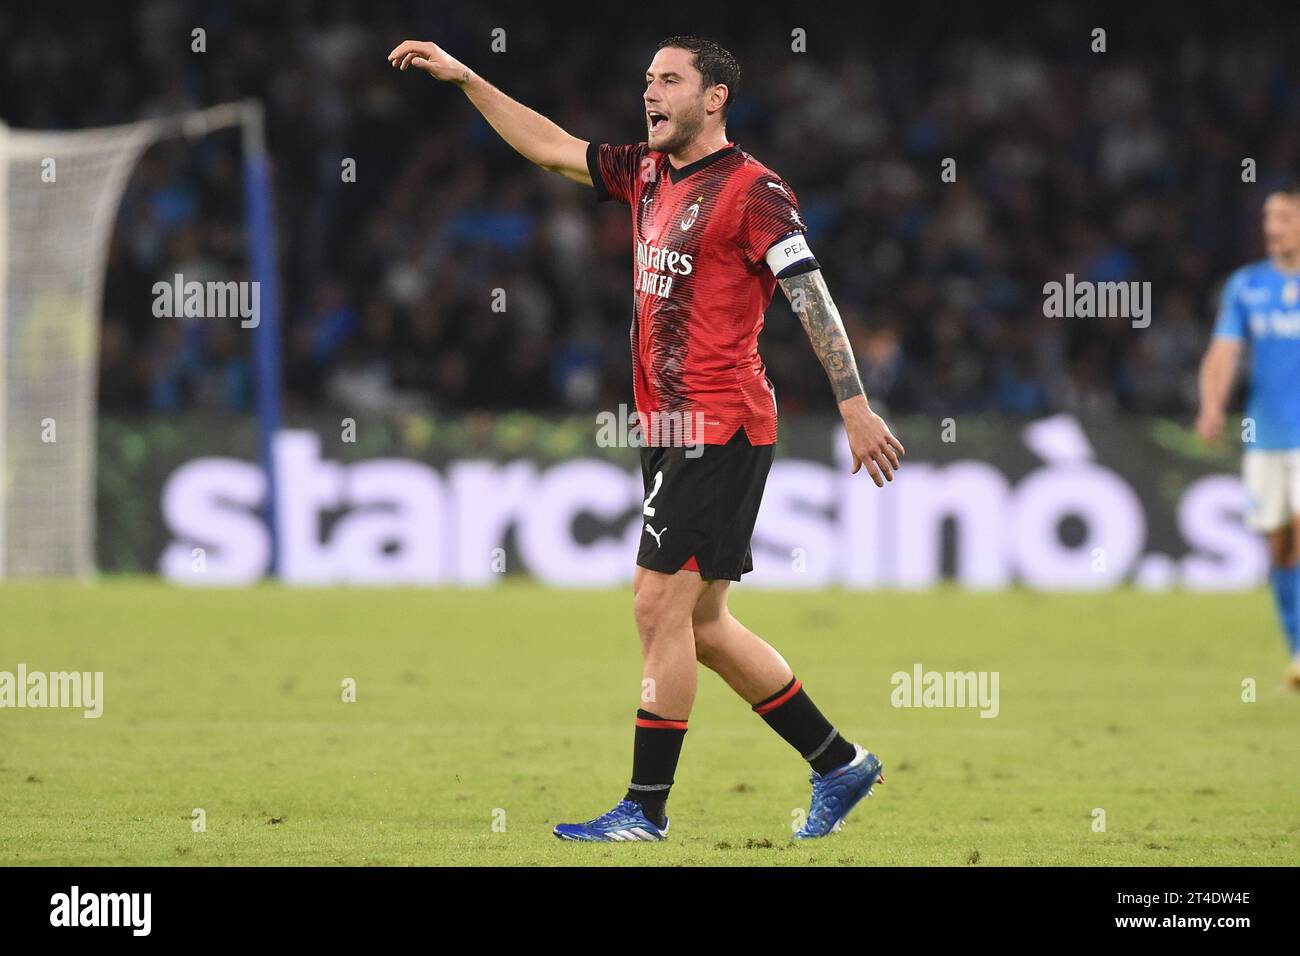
[(1282, 247), (1282, 250), (687, 126)]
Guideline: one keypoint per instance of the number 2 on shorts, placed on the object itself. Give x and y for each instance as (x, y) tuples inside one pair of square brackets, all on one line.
[(659, 480)]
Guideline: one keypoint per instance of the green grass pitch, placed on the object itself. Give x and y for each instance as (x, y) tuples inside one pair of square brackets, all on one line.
[(483, 718)]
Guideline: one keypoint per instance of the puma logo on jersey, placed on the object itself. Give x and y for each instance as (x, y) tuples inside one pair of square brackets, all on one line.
[(657, 536)]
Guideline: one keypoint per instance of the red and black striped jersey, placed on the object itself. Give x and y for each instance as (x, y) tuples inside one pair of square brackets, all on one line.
[(711, 239)]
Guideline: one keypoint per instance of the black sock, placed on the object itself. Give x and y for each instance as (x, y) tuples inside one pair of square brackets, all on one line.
[(654, 761), (793, 715)]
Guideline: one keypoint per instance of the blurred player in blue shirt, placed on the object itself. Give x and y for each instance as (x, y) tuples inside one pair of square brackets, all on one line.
[(1261, 306)]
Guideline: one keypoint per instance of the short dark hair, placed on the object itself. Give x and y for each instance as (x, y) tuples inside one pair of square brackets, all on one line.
[(715, 64)]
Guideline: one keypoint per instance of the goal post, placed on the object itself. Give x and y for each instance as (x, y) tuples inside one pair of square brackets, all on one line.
[(263, 267), (59, 196)]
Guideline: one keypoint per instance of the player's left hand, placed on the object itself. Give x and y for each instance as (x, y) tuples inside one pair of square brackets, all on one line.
[(870, 440)]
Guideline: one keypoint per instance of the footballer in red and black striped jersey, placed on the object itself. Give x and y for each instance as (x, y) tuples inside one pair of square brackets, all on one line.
[(711, 239), (715, 231)]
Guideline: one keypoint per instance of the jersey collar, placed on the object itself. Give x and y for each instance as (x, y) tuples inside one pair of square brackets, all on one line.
[(677, 175)]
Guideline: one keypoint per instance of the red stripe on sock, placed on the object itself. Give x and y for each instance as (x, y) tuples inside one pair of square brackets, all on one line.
[(772, 705), (661, 724)]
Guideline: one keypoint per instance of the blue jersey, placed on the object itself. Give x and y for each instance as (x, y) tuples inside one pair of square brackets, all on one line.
[(1261, 305)]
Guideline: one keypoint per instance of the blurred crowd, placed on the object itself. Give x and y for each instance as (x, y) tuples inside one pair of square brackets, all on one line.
[(1116, 165)]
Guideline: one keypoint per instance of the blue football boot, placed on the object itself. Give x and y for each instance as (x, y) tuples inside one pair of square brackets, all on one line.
[(625, 822), (835, 794)]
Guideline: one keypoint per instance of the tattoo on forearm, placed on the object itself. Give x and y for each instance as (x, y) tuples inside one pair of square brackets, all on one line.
[(810, 298)]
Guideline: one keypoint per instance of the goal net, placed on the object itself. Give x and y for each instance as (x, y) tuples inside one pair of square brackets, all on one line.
[(59, 195)]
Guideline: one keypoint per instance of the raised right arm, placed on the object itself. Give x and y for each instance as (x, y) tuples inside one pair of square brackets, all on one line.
[(528, 132)]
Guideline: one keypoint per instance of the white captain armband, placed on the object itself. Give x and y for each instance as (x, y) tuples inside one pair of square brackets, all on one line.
[(790, 256)]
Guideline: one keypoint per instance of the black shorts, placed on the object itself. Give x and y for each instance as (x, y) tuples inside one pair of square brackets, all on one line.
[(699, 511)]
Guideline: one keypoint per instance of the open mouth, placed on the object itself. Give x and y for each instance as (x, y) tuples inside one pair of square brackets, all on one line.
[(656, 120)]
